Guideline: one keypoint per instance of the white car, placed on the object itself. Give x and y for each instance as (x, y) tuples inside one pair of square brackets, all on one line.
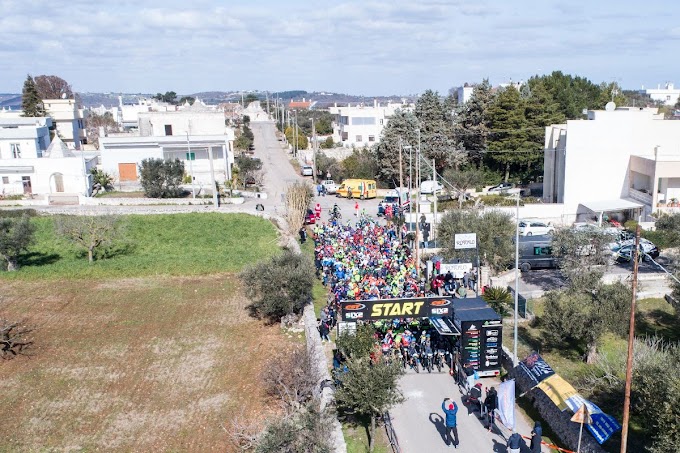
[(330, 186), (430, 187), (307, 170), (534, 228)]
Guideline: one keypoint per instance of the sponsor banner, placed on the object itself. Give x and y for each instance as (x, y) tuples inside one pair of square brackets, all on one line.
[(536, 368), (444, 326), (506, 403), (416, 307), (602, 426), (558, 390), (458, 270), (465, 241)]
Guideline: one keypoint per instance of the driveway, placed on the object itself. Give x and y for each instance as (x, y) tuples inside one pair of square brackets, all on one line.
[(419, 420)]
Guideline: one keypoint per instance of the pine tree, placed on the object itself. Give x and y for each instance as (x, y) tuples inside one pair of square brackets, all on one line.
[(402, 125), (436, 132), (508, 130), (30, 99), (471, 122)]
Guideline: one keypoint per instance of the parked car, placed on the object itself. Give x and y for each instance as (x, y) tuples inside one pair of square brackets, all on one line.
[(647, 247), (534, 228), (395, 198), (310, 218), (307, 170), (330, 186), (430, 187), (535, 252), (503, 187)]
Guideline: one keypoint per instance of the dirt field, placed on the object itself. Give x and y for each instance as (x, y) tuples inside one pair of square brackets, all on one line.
[(148, 364)]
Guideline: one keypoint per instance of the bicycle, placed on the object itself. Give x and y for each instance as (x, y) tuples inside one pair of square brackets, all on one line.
[(439, 360)]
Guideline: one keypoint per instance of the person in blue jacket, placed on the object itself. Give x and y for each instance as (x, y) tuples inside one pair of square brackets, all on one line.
[(450, 410)]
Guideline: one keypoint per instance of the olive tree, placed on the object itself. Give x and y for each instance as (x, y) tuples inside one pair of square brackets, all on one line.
[(582, 255), (16, 235), (90, 232), (161, 178)]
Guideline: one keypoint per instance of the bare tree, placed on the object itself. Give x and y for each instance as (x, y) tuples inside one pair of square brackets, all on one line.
[(244, 433), (90, 232), (15, 338), (52, 87), (290, 378), (298, 197)]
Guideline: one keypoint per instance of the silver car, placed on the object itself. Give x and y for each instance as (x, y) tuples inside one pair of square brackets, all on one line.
[(307, 170)]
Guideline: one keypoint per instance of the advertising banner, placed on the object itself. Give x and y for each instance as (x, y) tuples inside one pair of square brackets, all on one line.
[(415, 307), (558, 390), (465, 241), (536, 368), (602, 426), (506, 403), (458, 270)]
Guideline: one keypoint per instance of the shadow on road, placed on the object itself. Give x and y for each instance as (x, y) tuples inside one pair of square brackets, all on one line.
[(499, 447), (438, 423)]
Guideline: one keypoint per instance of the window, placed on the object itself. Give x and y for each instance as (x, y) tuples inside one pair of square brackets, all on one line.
[(542, 251), (371, 138), (363, 121), (381, 121), (668, 98), (5, 179), (168, 129), (15, 148), (345, 136), (359, 138)]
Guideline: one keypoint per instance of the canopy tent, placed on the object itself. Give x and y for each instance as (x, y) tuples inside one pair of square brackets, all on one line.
[(601, 206)]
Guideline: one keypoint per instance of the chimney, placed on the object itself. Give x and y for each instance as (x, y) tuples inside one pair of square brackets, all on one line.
[(120, 101), (375, 103)]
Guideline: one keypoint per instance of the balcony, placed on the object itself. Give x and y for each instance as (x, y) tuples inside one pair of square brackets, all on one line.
[(640, 196)]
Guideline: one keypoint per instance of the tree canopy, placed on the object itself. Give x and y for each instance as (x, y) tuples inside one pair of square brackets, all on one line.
[(52, 87), (31, 102)]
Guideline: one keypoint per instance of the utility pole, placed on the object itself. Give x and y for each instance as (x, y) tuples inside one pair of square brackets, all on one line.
[(418, 207), (314, 151), (631, 339), (191, 160), (434, 222), (216, 195), (268, 112), (295, 135), (514, 346)]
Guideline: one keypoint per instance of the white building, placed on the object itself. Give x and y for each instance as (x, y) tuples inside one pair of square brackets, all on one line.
[(465, 93), (361, 125), (68, 119), (30, 164), (626, 160), (668, 94)]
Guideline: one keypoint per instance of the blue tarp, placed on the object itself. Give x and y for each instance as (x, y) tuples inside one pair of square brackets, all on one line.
[(603, 425)]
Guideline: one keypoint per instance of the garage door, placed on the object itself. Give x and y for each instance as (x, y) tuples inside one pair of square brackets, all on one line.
[(127, 172)]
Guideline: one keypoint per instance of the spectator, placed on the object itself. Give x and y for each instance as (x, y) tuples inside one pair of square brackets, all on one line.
[(491, 403), (515, 443), (536, 438), (450, 410)]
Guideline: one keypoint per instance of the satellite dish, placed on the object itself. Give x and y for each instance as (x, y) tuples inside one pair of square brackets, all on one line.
[(63, 95), (610, 107)]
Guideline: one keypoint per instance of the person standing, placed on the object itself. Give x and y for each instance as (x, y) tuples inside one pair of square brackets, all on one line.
[(450, 410), (514, 443), (356, 208), (317, 211), (536, 438), (491, 403)]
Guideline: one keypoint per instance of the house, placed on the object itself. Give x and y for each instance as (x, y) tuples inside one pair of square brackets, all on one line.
[(625, 160), (69, 121), (668, 94), (361, 125), (31, 164), (300, 105), (464, 93), (196, 135)]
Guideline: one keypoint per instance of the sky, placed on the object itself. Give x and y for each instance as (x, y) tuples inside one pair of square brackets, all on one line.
[(364, 47)]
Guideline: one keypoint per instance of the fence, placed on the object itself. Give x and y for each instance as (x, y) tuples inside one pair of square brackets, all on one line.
[(391, 435)]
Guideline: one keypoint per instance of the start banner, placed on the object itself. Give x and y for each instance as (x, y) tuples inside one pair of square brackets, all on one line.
[(415, 307)]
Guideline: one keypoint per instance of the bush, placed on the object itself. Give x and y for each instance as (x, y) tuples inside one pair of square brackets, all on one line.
[(161, 178), (16, 235), (359, 344), (279, 286), (499, 299)]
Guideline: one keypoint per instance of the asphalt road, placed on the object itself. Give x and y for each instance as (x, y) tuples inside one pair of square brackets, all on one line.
[(280, 173), (419, 420)]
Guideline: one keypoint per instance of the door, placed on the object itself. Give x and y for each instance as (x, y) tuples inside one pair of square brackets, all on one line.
[(127, 172), (58, 182), (26, 181)]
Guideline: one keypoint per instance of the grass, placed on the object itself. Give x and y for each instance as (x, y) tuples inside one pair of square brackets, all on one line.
[(172, 244), (136, 364), (356, 437), (653, 317)]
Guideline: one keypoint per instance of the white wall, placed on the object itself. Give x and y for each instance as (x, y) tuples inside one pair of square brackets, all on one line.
[(196, 122), (73, 170), (598, 153)]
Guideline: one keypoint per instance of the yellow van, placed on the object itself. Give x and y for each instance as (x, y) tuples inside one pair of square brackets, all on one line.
[(360, 188)]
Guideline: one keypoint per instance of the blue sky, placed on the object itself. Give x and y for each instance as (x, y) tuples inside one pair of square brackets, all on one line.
[(359, 47)]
